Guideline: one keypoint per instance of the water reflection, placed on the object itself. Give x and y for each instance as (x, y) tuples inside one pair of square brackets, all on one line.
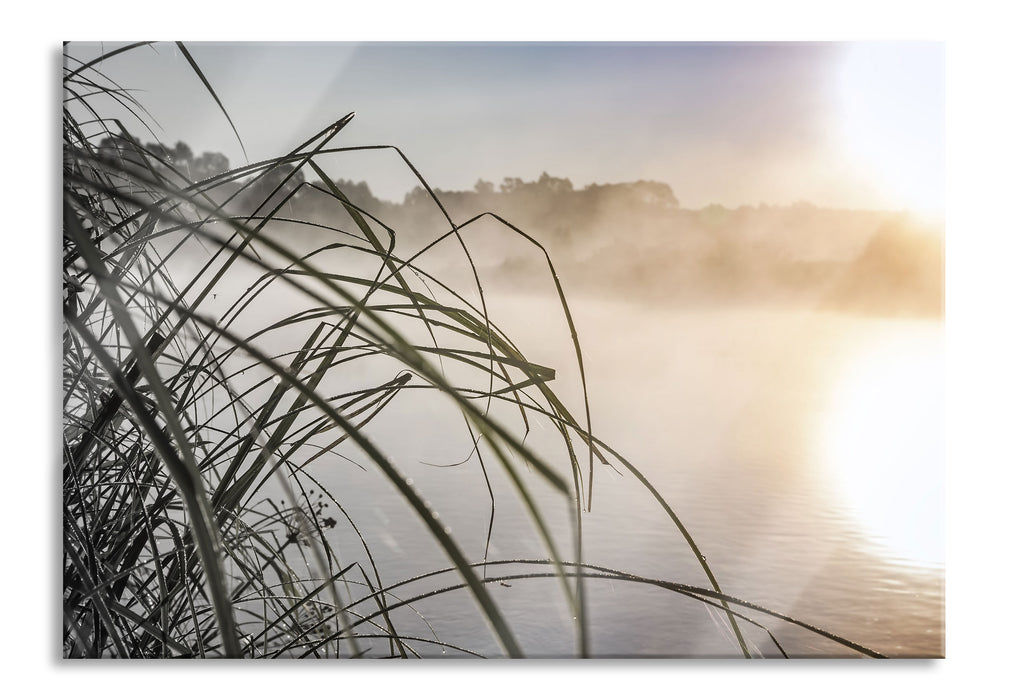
[(726, 412), (738, 418), (883, 439)]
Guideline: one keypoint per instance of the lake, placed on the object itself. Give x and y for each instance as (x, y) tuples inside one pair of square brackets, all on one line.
[(802, 449)]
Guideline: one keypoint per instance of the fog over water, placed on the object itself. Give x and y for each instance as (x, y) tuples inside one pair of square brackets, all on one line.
[(732, 372)]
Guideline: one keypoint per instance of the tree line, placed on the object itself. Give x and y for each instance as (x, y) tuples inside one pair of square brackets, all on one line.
[(632, 237)]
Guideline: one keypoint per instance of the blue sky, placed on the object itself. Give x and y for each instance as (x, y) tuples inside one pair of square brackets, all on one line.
[(722, 122)]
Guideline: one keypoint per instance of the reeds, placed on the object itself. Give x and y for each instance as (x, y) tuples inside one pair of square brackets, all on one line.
[(193, 524)]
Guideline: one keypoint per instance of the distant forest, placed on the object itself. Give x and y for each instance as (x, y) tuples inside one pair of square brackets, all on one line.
[(631, 239), (635, 239)]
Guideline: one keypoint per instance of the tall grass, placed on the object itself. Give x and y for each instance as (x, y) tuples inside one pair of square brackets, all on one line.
[(195, 522)]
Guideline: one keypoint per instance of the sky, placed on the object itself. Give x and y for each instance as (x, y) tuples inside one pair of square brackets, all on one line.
[(850, 125)]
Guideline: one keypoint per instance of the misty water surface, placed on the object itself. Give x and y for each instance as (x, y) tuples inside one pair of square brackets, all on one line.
[(792, 421), (728, 411)]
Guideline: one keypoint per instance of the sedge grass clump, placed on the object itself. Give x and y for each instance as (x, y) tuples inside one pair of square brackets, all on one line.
[(197, 411)]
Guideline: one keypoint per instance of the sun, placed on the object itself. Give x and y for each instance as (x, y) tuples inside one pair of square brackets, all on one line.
[(892, 117)]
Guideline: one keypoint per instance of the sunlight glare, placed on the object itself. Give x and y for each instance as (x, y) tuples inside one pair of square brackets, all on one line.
[(892, 116), (884, 445)]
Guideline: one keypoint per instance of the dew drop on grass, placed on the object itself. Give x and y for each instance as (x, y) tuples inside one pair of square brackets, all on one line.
[(409, 481), (276, 380)]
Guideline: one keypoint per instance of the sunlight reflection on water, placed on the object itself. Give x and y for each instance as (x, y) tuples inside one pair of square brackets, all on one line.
[(724, 411), (883, 440)]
